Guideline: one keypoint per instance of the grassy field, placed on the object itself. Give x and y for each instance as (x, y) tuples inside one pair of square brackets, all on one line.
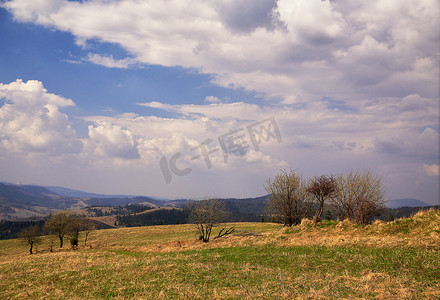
[(397, 260)]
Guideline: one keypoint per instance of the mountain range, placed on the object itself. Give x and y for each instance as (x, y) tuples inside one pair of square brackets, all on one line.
[(406, 202), (24, 201)]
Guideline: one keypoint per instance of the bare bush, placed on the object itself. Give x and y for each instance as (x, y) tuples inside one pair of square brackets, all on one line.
[(323, 188), (360, 197), (207, 214)]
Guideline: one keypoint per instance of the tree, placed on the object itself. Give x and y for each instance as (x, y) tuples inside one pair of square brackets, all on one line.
[(322, 187), (360, 197), (60, 223), (74, 241), (88, 227), (207, 214), (288, 198), (31, 235), (74, 228)]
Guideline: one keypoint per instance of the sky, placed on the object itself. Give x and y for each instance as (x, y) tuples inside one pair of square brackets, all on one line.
[(191, 99)]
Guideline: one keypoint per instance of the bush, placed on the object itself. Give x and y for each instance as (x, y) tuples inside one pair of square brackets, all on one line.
[(74, 242)]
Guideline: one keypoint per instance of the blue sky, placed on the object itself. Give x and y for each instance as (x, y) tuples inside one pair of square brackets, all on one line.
[(96, 94)]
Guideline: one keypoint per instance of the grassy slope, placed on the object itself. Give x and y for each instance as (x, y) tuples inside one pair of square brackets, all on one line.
[(397, 260)]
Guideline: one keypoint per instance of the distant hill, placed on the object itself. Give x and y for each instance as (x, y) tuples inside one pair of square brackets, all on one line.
[(21, 201), (25, 201), (80, 194), (409, 202), (113, 201)]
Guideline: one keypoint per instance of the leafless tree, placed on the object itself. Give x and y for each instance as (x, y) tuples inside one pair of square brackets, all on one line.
[(288, 197), (207, 214), (31, 235), (323, 188), (360, 196)]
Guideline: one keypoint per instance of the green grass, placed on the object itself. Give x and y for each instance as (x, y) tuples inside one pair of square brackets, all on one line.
[(150, 263), (266, 271)]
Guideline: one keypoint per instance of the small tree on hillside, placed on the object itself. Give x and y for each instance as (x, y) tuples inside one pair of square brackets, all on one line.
[(31, 235), (207, 214), (360, 197), (60, 224), (323, 188), (88, 226), (74, 228), (288, 197)]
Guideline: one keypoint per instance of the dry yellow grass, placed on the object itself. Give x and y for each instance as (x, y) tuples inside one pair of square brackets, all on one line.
[(423, 231), (108, 220), (394, 260)]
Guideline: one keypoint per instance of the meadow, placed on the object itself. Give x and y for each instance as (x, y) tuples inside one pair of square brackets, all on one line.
[(395, 260)]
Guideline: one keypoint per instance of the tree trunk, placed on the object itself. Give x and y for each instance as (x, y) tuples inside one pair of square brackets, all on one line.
[(85, 240), (30, 249), (289, 221), (318, 214), (61, 241)]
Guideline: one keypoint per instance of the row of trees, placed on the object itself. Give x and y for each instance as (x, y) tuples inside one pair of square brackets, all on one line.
[(61, 224), (357, 196)]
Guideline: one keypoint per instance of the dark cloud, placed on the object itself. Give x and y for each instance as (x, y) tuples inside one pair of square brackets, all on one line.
[(244, 16)]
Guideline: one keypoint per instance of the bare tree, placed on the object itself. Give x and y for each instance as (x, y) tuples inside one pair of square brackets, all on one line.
[(288, 197), (323, 188), (360, 197), (60, 223), (31, 235), (207, 214)]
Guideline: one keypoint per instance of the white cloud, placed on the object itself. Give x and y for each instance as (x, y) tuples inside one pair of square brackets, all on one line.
[(109, 61), (389, 127), (231, 111), (285, 49), (113, 140), (30, 120), (212, 99), (392, 137)]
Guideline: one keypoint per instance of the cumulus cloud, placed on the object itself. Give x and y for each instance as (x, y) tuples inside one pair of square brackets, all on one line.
[(245, 16), (218, 128), (399, 127), (113, 140), (284, 49), (392, 137), (30, 120), (315, 137)]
